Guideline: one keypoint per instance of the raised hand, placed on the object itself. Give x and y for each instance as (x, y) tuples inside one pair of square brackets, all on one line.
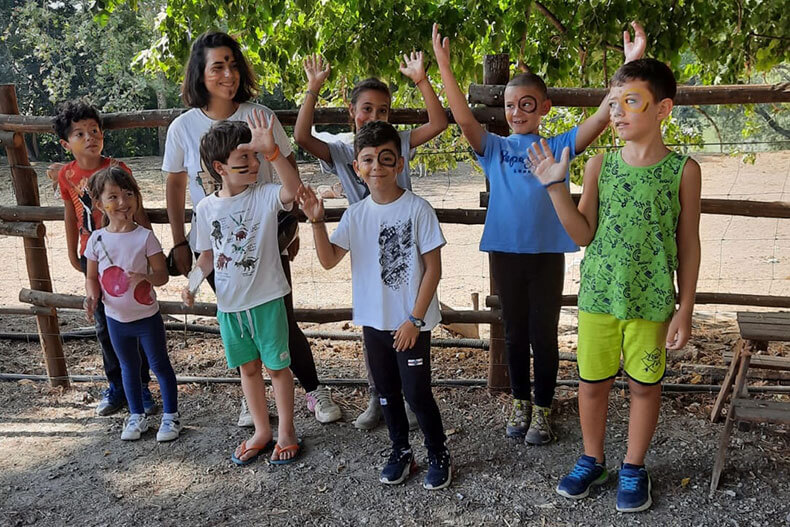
[(634, 49), (441, 47), (543, 165), (317, 70), (262, 134), (311, 205), (413, 66)]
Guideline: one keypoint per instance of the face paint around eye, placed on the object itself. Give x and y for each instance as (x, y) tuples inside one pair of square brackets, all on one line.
[(388, 158), (528, 103), (635, 101)]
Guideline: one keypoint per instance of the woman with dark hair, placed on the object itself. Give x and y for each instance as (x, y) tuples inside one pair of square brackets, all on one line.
[(218, 85)]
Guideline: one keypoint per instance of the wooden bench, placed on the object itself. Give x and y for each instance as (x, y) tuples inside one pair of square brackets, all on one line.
[(756, 331)]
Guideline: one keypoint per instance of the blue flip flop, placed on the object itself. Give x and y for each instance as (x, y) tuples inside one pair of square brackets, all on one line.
[(278, 449), (244, 449)]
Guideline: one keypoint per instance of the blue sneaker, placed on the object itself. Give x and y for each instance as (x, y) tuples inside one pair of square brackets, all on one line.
[(112, 400), (584, 475), (149, 405), (440, 471), (399, 466), (633, 489)]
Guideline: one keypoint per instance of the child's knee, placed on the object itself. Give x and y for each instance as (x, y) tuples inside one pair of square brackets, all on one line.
[(281, 374), (251, 368), (644, 391)]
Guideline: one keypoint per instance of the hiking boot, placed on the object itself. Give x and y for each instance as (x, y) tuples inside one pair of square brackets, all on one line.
[(169, 428), (134, 426), (412, 417), (539, 432), (320, 402), (633, 489), (518, 422), (585, 474), (399, 466), (369, 419), (112, 400), (245, 417), (149, 405), (440, 470)]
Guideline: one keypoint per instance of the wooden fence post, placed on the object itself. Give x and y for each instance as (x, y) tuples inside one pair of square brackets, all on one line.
[(496, 70), (26, 189)]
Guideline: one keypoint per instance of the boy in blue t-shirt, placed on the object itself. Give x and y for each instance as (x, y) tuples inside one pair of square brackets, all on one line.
[(522, 233)]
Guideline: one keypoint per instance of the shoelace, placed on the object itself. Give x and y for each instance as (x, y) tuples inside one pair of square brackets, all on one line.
[(517, 415), (169, 423), (540, 420), (580, 471), (397, 455), (322, 397), (629, 483)]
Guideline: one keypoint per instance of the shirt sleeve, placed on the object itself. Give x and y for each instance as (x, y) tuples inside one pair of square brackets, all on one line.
[(429, 233), (340, 153), (202, 228), (123, 166), (174, 150), (152, 245), (63, 185), (270, 194), (342, 236), (491, 147), (559, 142), (90, 248)]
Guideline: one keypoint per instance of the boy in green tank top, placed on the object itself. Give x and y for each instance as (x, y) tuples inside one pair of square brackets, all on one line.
[(639, 216)]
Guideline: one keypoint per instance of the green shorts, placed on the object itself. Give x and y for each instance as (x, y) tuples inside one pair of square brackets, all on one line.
[(602, 337), (257, 333)]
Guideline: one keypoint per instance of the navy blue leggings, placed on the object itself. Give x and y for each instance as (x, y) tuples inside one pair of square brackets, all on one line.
[(150, 333)]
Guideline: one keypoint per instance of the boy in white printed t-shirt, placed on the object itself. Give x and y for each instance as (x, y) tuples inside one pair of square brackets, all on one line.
[(237, 239), (395, 240)]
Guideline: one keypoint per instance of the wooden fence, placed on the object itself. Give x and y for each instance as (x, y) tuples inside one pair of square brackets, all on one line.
[(26, 218)]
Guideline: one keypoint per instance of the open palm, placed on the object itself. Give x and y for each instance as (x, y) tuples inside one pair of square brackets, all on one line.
[(634, 49), (543, 165), (311, 205), (317, 70), (413, 66)]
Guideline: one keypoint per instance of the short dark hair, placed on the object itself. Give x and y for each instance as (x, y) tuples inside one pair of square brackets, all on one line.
[(221, 139), (376, 133), (71, 112), (193, 89), (529, 79), (371, 83), (658, 76), (116, 175)]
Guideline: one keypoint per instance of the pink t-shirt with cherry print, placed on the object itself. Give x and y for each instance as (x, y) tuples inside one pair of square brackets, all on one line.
[(117, 254)]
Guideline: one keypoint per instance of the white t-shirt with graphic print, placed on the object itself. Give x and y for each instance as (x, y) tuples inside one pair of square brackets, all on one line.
[(182, 150), (342, 155), (386, 244), (117, 254), (242, 232)]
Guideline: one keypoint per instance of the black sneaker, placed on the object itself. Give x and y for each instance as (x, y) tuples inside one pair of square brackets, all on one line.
[(440, 470), (112, 400), (399, 466)]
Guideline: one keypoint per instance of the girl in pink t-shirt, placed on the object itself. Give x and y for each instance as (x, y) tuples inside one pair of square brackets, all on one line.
[(125, 261)]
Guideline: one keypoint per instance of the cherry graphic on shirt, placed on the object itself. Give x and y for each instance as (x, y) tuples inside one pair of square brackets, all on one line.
[(114, 280), (142, 293)]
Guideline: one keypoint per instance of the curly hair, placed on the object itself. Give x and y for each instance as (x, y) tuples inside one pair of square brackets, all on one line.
[(71, 112)]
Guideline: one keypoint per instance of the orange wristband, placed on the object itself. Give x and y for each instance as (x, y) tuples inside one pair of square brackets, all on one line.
[(274, 156)]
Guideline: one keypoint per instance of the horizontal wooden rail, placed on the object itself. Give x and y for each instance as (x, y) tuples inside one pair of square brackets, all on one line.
[(451, 316), (726, 207), (154, 118), (731, 299), (686, 95), (26, 229)]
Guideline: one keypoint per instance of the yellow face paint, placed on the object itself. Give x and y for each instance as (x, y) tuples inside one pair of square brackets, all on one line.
[(635, 100)]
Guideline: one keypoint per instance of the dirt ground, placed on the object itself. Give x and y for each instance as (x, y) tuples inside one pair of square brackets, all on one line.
[(60, 464)]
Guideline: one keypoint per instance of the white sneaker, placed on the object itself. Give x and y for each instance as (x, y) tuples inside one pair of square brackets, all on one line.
[(134, 426), (245, 417), (170, 428), (320, 402)]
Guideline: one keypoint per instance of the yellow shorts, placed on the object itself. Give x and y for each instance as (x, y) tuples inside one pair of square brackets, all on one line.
[(603, 337)]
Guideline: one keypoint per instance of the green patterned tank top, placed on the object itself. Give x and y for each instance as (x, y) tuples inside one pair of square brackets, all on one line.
[(628, 269)]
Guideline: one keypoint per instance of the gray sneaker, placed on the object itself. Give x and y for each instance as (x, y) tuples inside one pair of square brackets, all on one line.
[(518, 422), (134, 427), (369, 419), (245, 417), (540, 432)]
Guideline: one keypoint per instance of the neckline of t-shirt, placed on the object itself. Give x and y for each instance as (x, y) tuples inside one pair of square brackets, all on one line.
[(104, 229), (237, 196), (231, 117), (654, 165), (384, 205)]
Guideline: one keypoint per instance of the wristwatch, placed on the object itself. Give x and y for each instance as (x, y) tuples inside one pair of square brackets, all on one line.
[(418, 322)]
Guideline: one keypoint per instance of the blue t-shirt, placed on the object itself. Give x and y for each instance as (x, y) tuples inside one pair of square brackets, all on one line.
[(521, 218)]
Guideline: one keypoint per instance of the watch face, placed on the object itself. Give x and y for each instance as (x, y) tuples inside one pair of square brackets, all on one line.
[(417, 322)]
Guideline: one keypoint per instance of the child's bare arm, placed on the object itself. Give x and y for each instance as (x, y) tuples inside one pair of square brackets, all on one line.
[(413, 67), (579, 222), (72, 234), (472, 130), (329, 254), (92, 288), (157, 273), (205, 263), (317, 72), (406, 335), (175, 197), (594, 125), (688, 254)]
